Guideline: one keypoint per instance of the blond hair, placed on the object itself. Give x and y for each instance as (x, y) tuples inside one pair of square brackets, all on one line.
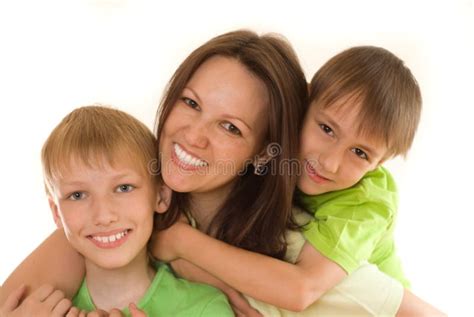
[(387, 92), (93, 134)]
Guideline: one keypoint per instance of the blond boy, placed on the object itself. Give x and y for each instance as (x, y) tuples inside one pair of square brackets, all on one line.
[(102, 192)]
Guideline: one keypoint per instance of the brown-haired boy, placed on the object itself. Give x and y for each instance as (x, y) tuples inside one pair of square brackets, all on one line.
[(365, 108)]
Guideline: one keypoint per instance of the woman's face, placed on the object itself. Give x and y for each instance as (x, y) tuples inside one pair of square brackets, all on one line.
[(215, 128)]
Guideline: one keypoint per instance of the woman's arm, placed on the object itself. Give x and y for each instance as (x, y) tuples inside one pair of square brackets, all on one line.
[(285, 285), (54, 262), (414, 306)]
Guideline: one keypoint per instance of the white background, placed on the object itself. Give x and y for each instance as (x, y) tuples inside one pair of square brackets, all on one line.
[(57, 55)]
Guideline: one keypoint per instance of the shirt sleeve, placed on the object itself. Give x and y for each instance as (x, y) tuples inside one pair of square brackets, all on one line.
[(218, 306), (347, 230)]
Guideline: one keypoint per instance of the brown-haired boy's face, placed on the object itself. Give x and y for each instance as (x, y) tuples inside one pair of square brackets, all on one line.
[(334, 156)]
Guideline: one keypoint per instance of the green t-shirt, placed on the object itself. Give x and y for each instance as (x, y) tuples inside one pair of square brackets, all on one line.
[(170, 296), (355, 225)]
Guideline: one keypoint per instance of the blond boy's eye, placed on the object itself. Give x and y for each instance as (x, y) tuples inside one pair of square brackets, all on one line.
[(76, 196), (326, 129), (125, 188), (360, 153)]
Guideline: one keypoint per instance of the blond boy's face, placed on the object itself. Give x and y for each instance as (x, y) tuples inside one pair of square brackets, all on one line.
[(333, 155), (106, 211)]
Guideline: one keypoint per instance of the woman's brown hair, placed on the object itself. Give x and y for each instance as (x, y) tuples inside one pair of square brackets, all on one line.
[(258, 210)]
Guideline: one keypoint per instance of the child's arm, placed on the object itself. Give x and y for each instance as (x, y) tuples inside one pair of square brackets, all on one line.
[(54, 262), (289, 286)]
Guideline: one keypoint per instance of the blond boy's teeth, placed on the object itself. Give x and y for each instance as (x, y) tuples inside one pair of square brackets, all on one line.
[(187, 158), (111, 238)]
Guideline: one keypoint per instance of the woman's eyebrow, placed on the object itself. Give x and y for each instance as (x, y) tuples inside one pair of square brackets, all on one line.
[(194, 93)]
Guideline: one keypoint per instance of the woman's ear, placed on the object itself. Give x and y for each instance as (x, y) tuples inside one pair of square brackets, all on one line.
[(54, 210), (163, 199)]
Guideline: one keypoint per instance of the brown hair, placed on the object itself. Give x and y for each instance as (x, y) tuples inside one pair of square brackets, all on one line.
[(92, 134), (258, 210), (389, 95)]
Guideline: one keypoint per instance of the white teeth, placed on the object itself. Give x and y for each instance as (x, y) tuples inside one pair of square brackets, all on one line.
[(111, 238), (187, 159)]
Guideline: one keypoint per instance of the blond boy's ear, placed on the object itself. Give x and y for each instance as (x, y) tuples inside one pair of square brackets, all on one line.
[(55, 212), (163, 199)]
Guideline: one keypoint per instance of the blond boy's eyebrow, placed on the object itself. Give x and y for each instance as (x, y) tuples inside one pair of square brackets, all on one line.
[(196, 96)]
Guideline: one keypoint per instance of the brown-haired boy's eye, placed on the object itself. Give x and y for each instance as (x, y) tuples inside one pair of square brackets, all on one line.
[(360, 153)]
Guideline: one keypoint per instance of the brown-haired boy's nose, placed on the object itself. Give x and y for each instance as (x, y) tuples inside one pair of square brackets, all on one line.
[(330, 161)]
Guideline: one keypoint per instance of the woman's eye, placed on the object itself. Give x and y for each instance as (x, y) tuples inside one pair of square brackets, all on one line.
[(326, 129), (360, 153), (191, 103), (76, 196), (125, 188), (231, 128)]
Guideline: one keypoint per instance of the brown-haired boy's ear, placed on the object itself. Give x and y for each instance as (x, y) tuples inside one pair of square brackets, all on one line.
[(163, 199), (54, 211)]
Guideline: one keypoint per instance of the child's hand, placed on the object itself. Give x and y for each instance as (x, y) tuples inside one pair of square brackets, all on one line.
[(164, 244), (44, 301)]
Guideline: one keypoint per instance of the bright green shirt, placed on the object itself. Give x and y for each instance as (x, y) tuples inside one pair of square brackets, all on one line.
[(355, 225), (170, 296)]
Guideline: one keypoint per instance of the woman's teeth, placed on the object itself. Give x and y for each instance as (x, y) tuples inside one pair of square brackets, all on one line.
[(187, 158)]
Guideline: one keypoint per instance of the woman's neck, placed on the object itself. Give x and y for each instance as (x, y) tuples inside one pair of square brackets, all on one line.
[(204, 206), (117, 288)]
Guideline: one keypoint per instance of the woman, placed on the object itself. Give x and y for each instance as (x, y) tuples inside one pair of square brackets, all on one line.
[(229, 101)]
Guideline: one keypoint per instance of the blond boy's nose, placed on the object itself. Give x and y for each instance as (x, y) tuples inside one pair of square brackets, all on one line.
[(103, 213)]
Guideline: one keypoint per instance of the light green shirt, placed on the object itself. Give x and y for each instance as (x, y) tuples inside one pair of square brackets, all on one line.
[(355, 225), (170, 296)]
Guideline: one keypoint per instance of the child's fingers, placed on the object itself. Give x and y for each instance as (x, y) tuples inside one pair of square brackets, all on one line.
[(135, 312), (62, 307), (73, 312), (42, 292), (54, 298), (115, 313), (98, 313), (13, 300)]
